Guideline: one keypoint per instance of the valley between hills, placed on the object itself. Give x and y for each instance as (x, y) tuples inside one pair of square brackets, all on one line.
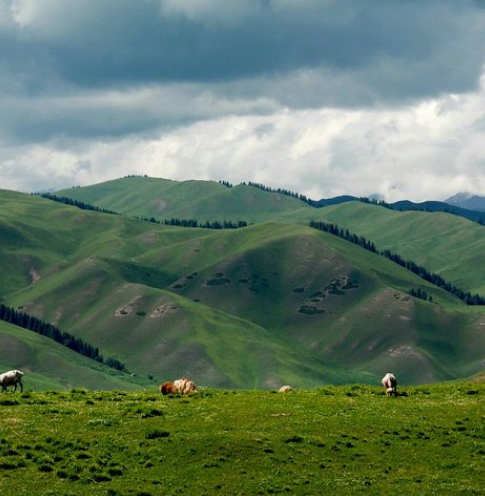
[(274, 302)]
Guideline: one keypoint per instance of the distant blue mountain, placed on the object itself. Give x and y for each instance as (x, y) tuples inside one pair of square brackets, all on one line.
[(437, 206), (405, 205), (325, 202), (468, 201)]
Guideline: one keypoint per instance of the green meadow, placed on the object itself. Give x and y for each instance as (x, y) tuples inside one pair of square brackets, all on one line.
[(334, 440)]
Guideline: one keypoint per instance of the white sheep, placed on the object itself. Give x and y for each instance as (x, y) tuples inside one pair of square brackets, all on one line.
[(11, 378)]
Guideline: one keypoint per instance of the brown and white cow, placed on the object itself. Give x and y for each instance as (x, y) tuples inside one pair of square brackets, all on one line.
[(182, 386)]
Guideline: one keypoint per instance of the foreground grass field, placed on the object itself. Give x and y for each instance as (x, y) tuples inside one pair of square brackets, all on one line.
[(336, 440)]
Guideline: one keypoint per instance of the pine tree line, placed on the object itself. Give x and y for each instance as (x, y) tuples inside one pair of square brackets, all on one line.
[(380, 203), (26, 321), (345, 234), (420, 293), (225, 224), (285, 192), (75, 203), (435, 279)]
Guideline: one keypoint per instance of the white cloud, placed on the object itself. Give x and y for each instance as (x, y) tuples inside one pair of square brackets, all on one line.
[(24, 11), (429, 150)]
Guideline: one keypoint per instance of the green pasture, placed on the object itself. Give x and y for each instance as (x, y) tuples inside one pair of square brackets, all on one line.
[(344, 440)]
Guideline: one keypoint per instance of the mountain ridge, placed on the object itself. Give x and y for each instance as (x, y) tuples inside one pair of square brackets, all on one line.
[(468, 201)]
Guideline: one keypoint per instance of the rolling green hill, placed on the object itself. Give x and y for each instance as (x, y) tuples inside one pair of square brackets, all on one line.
[(445, 244), (203, 200), (276, 302)]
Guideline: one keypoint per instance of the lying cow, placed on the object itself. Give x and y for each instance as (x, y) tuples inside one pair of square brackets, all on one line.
[(11, 378), (389, 382), (182, 386)]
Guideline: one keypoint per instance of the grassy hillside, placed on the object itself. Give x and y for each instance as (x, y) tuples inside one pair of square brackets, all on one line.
[(48, 365), (256, 307), (339, 441), (116, 303), (41, 238), (202, 200), (445, 244)]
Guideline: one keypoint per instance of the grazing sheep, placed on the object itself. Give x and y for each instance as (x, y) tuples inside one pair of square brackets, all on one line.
[(182, 386), (11, 378), (389, 382), (285, 389)]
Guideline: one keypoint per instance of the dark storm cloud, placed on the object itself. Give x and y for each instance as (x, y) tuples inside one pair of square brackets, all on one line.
[(125, 42), (296, 54)]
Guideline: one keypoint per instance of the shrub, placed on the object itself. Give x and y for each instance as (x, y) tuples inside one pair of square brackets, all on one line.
[(152, 413), (156, 434), (294, 439), (46, 468), (310, 310)]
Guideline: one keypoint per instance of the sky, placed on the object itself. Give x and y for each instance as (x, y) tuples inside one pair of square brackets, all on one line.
[(321, 97)]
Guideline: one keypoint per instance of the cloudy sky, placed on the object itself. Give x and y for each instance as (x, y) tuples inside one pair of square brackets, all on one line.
[(323, 97)]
